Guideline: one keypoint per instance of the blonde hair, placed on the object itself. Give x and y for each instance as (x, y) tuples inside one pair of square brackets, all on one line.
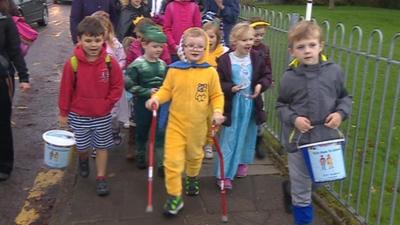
[(127, 42), (215, 28), (194, 32), (305, 29), (104, 19), (239, 30), (125, 3)]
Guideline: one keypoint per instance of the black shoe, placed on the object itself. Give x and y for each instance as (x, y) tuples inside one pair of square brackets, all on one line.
[(260, 153), (160, 172), (141, 163), (287, 197), (192, 186), (117, 139), (84, 167), (172, 206), (102, 187), (4, 176)]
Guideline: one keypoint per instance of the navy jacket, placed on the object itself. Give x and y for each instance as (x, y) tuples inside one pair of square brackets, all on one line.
[(10, 53), (229, 14), (82, 8), (128, 15)]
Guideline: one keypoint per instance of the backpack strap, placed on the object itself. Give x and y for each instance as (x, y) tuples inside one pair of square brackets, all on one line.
[(74, 63)]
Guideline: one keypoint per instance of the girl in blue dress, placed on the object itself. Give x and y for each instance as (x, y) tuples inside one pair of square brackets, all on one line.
[(244, 76)]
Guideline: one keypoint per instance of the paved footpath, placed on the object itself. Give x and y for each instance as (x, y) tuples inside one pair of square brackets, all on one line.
[(255, 200)]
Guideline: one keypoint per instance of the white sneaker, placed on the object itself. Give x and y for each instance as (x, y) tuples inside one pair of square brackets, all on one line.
[(126, 125), (208, 149)]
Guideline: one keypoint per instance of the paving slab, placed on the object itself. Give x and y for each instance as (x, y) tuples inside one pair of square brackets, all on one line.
[(256, 199)]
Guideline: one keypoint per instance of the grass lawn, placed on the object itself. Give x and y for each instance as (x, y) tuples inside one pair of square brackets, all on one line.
[(373, 85), (366, 17)]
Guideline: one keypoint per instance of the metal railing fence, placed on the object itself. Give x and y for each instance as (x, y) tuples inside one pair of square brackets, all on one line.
[(372, 67)]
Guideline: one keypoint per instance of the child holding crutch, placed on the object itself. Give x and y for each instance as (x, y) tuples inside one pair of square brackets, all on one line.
[(193, 87), (244, 77), (143, 78)]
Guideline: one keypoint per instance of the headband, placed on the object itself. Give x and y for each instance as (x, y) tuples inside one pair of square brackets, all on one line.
[(259, 23)]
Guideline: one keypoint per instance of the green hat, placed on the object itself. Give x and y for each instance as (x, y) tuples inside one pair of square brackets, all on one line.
[(153, 33)]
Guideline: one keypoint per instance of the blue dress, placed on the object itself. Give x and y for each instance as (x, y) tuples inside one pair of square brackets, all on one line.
[(238, 141)]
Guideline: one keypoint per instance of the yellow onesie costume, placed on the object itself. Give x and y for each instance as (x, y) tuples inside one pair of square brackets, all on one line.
[(192, 89)]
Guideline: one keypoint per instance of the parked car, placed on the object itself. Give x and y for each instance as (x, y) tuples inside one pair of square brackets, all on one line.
[(34, 11), (62, 1)]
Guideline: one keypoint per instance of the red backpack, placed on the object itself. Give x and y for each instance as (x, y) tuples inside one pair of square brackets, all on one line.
[(26, 33)]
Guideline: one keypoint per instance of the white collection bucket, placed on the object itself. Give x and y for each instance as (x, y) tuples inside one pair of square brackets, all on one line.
[(325, 160), (58, 144)]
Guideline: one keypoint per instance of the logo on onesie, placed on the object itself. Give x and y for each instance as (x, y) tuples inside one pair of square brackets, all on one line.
[(201, 92)]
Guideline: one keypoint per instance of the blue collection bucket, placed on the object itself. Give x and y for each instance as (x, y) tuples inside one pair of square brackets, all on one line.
[(57, 148), (325, 160)]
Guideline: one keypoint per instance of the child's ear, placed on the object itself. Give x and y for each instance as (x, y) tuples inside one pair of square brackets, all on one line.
[(290, 50), (322, 44)]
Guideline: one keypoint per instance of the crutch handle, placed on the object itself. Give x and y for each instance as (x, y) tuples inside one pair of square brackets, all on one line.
[(154, 108), (214, 129)]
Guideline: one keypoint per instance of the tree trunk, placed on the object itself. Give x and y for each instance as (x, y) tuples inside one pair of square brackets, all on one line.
[(331, 4)]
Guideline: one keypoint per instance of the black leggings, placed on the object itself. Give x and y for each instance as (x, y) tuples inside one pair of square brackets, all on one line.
[(6, 139)]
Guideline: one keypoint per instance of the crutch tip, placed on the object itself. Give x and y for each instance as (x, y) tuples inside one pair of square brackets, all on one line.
[(149, 209), (225, 219)]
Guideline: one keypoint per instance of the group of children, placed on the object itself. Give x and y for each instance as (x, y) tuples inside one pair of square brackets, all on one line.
[(205, 84)]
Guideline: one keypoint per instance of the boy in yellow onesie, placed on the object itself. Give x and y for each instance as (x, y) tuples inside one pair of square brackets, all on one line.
[(192, 86)]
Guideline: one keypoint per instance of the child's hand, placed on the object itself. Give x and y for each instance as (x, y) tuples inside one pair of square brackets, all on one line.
[(218, 118), (63, 121), (24, 86), (333, 120), (153, 90), (151, 102), (220, 4), (257, 91), (303, 124), (236, 88)]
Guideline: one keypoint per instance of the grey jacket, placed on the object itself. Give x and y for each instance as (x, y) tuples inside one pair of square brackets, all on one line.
[(313, 92)]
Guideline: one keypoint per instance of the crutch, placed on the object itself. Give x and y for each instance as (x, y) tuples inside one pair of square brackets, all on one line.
[(152, 140), (224, 203)]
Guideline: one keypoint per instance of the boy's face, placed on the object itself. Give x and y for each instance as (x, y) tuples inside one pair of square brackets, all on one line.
[(92, 45), (194, 48), (259, 35), (136, 3), (212, 37), (152, 50), (307, 50), (244, 44)]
